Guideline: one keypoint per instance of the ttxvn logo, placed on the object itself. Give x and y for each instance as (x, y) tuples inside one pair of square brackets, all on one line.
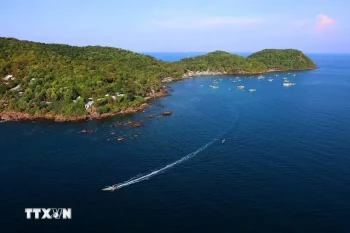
[(49, 213)]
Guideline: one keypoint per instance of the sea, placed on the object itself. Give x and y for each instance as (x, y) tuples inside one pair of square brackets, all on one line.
[(284, 165)]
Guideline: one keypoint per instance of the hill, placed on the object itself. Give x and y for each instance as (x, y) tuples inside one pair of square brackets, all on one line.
[(49, 78), (283, 59), (224, 62), (65, 82)]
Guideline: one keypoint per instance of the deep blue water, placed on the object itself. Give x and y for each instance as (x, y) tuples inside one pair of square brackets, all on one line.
[(283, 168)]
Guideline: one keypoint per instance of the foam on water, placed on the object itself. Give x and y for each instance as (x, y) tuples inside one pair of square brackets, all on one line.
[(137, 179)]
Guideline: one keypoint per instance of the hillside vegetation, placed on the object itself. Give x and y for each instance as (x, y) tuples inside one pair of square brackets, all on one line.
[(223, 62), (283, 59), (58, 79)]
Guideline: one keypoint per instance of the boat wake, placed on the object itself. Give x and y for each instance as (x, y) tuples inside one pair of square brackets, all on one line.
[(137, 179)]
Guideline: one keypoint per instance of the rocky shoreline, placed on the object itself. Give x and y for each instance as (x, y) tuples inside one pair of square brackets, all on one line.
[(192, 74), (92, 112)]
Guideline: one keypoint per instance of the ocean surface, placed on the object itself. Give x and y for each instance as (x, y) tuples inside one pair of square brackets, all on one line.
[(284, 167)]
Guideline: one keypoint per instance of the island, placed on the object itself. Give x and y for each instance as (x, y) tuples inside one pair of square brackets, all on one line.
[(63, 82)]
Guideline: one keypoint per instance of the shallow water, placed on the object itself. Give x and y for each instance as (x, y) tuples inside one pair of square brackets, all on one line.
[(283, 168)]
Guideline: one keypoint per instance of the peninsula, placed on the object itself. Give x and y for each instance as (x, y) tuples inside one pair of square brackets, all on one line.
[(62, 82)]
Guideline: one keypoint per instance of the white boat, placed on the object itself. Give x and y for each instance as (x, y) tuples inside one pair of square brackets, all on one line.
[(252, 90), (223, 141), (110, 188), (270, 80), (229, 89), (2, 121), (288, 84), (214, 87), (240, 87)]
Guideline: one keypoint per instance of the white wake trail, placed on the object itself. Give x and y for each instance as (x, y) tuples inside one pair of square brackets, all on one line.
[(148, 176)]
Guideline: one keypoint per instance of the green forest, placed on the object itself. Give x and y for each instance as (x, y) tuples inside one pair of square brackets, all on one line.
[(58, 79), (283, 59)]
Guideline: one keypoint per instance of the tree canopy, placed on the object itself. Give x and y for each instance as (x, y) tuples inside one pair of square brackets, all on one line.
[(283, 59), (60, 79)]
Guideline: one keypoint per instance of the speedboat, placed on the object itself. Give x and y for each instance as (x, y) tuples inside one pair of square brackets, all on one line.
[(288, 84), (110, 188)]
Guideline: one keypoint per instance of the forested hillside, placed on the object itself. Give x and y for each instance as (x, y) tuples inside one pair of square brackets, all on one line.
[(223, 62), (283, 59), (56, 79)]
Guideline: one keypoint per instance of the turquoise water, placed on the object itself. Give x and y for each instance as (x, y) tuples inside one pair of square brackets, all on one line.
[(283, 168)]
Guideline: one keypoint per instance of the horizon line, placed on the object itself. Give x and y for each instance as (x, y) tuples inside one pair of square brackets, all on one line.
[(142, 52)]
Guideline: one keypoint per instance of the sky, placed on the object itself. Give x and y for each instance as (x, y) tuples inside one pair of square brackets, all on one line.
[(313, 26)]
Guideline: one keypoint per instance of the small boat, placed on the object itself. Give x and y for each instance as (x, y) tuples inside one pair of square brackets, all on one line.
[(110, 188), (270, 80), (2, 121), (288, 84), (89, 119), (252, 90), (229, 89), (240, 87), (223, 141)]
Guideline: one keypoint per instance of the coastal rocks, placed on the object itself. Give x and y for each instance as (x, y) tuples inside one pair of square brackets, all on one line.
[(137, 124), (190, 73), (167, 79), (162, 114), (166, 113), (123, 137), (157, 94), (130, 123), (17, 116)]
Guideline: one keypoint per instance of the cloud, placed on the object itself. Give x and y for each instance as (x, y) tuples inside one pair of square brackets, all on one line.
[(323, 21), (210, 22)]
